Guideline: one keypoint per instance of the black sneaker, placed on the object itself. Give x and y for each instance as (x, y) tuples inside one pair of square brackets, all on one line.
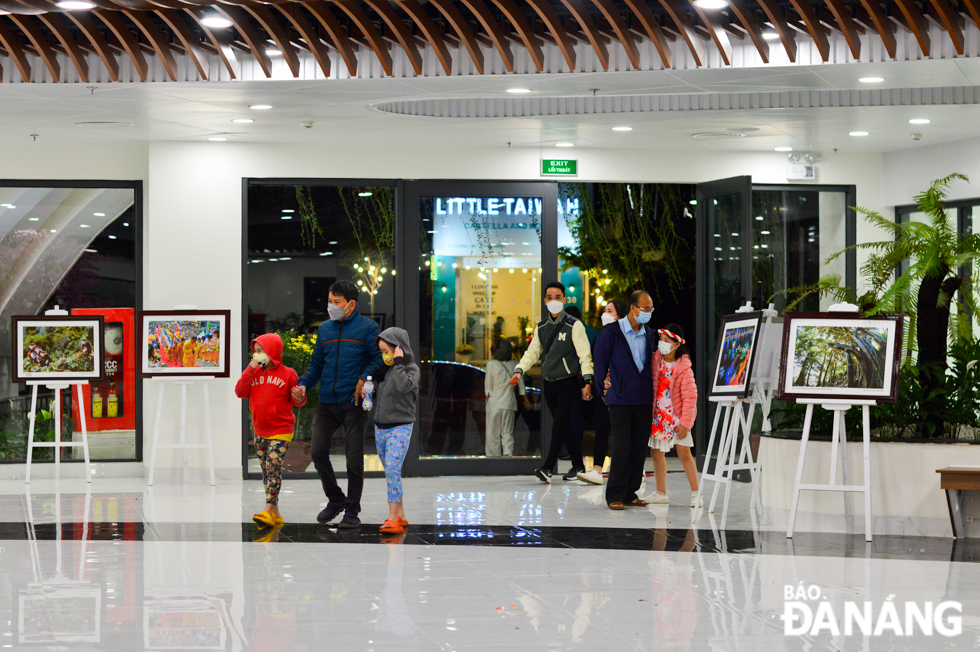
[(572, 474), (330, 512), (543, 475), (350, 522)]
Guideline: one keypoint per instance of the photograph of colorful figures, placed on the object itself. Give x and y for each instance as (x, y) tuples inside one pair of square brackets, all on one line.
[(191, 342), (736, 353)]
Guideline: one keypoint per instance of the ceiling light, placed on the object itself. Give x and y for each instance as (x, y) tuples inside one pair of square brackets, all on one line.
[(217, 139), (919, 121), (871, 80), (92, 251), (519, 91), (273, 260), (759, 218), (260, 107), (287, 217), (764, 232), (243, 121), (216, 21), (710, 4), (327, 253), (125, 223), (770, 36), (256, 261), (332, 242), (784, 149), (72, 5), (288, 210), (857, 133), (273, 52), (564, 144), (364, 194), (622, 128), (56, 230), (111, 237), (83, 226), (6, 206), (33, 219)]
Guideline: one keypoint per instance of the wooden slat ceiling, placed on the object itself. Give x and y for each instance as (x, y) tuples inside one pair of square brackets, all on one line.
[(138, 29)]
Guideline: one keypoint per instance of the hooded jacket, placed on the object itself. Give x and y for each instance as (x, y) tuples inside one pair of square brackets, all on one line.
[(345, 352), (683, 390), (398, 393), (269, 392)]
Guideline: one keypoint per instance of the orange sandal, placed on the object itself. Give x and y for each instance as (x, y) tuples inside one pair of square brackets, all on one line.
[(398, 526)]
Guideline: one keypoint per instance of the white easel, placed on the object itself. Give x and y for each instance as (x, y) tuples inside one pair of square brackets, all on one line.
[(57, 444), (838, 448), (183, 445), (736, 422)]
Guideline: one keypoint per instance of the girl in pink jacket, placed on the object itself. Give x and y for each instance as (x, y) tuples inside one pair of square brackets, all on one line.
[(675, 404)]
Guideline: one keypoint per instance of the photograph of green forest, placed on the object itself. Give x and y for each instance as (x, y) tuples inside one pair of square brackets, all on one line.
[(840, 356)]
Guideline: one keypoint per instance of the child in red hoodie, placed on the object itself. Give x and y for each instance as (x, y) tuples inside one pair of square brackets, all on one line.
[(268, 386)]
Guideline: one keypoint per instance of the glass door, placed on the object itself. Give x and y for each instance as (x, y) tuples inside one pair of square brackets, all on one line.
[(724, 273), (484, 254)]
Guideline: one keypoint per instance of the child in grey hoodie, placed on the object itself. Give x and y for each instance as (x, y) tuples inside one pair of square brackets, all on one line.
[(394, 417)]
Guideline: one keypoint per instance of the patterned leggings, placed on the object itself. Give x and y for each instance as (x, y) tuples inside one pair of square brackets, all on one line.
[(392, 447), (271, 453)]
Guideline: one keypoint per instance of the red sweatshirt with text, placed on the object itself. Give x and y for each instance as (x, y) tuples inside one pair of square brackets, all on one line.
[(269, 391)]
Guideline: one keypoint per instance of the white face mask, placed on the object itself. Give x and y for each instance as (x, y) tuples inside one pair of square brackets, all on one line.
[(554, 307), (665, 347), (261, 358), (607, 318)]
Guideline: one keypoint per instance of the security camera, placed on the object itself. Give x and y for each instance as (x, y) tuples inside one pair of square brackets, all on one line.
[(915, 136), (307, 124)]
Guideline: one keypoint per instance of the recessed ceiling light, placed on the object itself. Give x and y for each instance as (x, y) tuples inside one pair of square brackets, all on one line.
[(216, 22), (519, 91), (564, 144), (770, 36), (33, 219), (364, 194), (260, 107), (871, 80), (125, 223), (256, 261), (857, 133), (273, 260), (83, 226), (287, 217), (288, 210), (99, 214), (243, 121), (327, 253), (112, 237), (622, 128), (56, 230), (7, 206), (72, 5), (273, 52), (217, 139), (710, 4), (784, 149), (332, 242), (92, 251), (919, 121)]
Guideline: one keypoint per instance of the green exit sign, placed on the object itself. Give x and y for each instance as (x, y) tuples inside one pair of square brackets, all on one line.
[(562, 167)]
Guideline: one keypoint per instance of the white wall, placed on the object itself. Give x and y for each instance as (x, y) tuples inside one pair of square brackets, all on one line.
[(907, 172), (193, 216)]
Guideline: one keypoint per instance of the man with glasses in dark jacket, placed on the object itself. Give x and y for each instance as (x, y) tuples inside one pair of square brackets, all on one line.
[(345, 354), (624, 351)]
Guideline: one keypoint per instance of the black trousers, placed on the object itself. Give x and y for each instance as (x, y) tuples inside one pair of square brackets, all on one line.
[(600, 417), (630, 438), (560, 395), (350, 418)]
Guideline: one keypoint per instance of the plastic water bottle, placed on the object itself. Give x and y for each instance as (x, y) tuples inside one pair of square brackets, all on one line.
[(368, 403)]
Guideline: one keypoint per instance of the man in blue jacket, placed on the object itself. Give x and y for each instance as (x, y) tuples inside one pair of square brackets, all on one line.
[(624, 351), (346, 353)]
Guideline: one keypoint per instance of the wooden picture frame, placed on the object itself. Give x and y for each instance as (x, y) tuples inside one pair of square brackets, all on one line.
[(162, 334), (44, 350), (871, 372), (737, 367)]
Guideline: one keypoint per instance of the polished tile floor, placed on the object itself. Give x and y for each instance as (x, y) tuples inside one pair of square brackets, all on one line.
[(488, 564)]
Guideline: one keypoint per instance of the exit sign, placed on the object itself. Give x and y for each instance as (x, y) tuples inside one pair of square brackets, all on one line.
[(562, 167)]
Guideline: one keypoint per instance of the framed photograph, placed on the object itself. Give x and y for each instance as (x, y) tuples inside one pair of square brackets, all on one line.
[(736, 354), (57, 349), (841, 356), (184, 343)]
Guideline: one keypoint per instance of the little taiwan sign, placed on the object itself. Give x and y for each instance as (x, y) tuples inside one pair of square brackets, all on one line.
[(559, 167)]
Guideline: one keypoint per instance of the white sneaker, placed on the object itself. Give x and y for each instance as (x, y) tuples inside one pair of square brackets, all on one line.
[(592, 477), (694, 500), (658, 498)]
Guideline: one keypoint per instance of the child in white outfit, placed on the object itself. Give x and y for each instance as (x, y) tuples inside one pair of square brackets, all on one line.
[(501, 401)]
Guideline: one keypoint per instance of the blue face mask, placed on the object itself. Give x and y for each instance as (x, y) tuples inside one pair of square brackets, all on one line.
[(643, 317)]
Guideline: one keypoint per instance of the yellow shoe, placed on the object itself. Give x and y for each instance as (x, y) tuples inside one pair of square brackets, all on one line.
[(267, 519)]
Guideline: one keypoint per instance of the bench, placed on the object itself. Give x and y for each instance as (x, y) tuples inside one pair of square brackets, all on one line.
[(953, 480)]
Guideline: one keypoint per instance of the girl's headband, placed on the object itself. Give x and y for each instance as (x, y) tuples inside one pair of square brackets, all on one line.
[(673, 336)]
